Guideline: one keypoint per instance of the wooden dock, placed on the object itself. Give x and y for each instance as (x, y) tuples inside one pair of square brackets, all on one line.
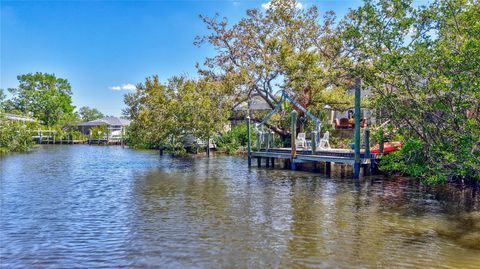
[(61, 142), (328, 157), (50, 137), (324, 155), (318, 151)]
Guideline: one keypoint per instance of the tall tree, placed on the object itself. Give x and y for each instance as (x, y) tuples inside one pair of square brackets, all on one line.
[(282, 48), (87, 114), (423, 66), (45, 95), (164, 113)]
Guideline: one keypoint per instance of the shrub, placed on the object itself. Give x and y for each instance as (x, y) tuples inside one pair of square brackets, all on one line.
[(15, 136), (235, 138)]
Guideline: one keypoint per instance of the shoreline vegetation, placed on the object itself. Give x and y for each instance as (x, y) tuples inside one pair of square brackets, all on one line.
[(419, 64)]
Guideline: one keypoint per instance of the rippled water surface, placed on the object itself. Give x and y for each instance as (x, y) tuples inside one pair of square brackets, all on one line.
[(90, 206)]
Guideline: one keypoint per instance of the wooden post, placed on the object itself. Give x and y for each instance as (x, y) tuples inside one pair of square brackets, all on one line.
[(272, 139), (259, 161), (40, 134), (121, 137), (293, 138), (259, 137), (317, 129), (367, 152), (249, 148), (380, 143), (272, 144), (314, 142), (267, 140), (356, 166), (328, 168), (273, 162), (208, 146)]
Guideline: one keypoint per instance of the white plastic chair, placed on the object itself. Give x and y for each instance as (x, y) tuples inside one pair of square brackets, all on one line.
[(301, 141), (324, 143)]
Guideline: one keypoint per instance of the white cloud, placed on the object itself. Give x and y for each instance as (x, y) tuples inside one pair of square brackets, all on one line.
[(126, 87), (267, 5)]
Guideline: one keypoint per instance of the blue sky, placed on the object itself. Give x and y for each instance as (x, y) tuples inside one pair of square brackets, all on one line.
[(101, 47)]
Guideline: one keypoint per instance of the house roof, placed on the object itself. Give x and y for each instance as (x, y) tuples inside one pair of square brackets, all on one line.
[(256, 103), (110, 121), (15, 117)]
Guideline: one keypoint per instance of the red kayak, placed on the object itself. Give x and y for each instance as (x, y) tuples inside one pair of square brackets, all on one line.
[(387, 147)]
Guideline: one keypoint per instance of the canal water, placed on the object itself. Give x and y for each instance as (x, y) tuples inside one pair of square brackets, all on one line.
[(94, 206)]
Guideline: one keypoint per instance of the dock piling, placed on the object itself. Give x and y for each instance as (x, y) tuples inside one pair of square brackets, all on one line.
[(293, 137), (368, 166), (356, 166), (314, 141), (328, 168), (380, 143), (249, 148)]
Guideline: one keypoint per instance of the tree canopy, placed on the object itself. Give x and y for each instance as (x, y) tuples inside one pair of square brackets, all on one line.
[(163, 113), (423, 66), (282, 48), (88, 114), (44, 95), (420, 64)]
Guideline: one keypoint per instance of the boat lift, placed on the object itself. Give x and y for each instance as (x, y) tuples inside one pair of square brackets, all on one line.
[(292, 156), (259, 127)]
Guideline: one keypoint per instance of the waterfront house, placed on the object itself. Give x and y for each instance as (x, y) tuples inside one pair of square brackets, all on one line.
[(255, 104), (116, 127)]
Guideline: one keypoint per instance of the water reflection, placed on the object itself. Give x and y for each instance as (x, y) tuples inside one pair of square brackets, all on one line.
[(103, 206)]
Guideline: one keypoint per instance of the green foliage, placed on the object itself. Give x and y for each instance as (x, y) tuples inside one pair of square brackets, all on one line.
[(2, 97), (163, 113), (408, 160), (44, 95), (423, 68), (340, 142), (136, 138), (88, 114), (99, 132), (282, 47), (15, 136), (73, 135), (235, 138), (412, 160)]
